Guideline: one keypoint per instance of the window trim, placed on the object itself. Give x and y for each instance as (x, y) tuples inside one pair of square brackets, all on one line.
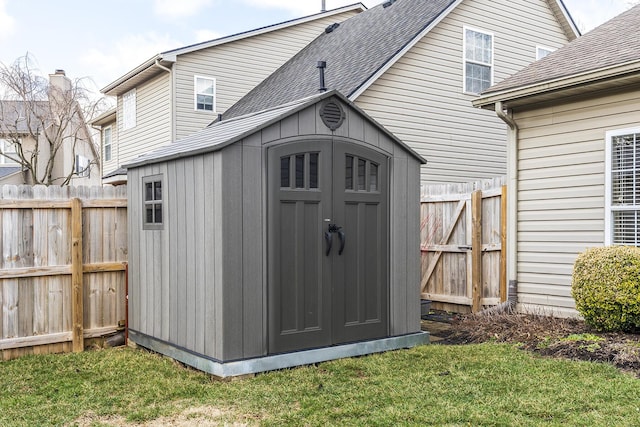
[(196, 93), (466, 28), (153, 225), (608, 211), (541, 47), (5, 161), (110, 144), (129, 117)]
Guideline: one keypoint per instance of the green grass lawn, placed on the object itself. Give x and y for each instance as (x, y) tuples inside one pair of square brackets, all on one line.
[(486, 384)]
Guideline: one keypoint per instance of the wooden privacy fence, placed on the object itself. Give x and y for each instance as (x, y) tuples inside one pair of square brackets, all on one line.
[(62, 273), (463, 243)]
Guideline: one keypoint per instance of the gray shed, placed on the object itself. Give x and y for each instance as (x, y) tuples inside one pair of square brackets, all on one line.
[(280, 238)]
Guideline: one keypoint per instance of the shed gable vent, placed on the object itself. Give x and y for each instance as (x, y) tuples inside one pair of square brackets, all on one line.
[(332, 115)]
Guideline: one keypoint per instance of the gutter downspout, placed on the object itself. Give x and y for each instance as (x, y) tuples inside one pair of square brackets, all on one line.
[(512, 212), (172, 91)]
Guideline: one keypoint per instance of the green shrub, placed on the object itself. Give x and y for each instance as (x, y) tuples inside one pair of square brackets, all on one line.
[(606, 287)]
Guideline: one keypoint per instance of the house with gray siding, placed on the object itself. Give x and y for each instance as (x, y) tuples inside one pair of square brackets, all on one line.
[(573, 157), (180, 91), (415, 66), (283, 237)]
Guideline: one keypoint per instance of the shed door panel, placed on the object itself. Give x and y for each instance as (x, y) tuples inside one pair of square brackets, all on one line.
[(317, 298), (300, 286), (360, 278)]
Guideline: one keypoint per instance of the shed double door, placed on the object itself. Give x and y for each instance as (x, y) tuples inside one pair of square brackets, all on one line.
[(328, 255)]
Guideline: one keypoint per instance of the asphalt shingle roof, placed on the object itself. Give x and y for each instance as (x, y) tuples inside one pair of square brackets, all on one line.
[(13, 116), (613, 43), (354, 52)]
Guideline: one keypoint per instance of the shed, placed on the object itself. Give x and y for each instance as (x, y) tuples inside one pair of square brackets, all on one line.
[(280, 238), (574, 159)]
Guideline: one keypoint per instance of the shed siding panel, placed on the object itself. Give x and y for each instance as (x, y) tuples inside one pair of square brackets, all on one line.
[(561, 182), (399, 239), (153, 120), (232, 239), (238, 67), (254, 301), (425, 87)]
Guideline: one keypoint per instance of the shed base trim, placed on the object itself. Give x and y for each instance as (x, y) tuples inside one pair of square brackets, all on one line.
[(277, 361)]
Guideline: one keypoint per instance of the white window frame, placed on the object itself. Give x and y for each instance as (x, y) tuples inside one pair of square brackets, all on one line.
[(110, 144), (465, 60), (196, 93), (5, 161), (609, 207), (129, 110), (540, 48)]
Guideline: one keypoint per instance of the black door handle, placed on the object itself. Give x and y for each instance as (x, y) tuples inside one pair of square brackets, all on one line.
[(343, 241), (329, 239)]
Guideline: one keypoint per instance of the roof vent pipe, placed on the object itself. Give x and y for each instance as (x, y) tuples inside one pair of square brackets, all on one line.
[(321, 66), (324, 6)]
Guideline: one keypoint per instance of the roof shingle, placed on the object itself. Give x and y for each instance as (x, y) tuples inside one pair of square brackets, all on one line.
[(354, 52)]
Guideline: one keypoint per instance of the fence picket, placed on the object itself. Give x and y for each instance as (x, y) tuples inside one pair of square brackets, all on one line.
[(455, 254)]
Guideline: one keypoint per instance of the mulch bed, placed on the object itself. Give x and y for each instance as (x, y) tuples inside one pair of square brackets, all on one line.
[(547, 336)]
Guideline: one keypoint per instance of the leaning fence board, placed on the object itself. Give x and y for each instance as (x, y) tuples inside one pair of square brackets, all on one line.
[(463, 248), (60, 246)]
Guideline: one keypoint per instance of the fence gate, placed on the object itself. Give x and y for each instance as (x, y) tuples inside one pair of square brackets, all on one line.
[(463, 245)]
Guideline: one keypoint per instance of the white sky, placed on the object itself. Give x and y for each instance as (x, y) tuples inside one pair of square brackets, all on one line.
[(104, 39)]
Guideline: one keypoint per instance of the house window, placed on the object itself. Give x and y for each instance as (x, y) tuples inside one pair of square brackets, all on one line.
[(82, 166), (129, 110), (542, 51), (152, 203), (622, 223), (106, 140), (205, 93), (478, 61), (7, 148)]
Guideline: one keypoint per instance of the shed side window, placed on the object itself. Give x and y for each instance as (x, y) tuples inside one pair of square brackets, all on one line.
[(623, 188), (152, 203), (478, 61)]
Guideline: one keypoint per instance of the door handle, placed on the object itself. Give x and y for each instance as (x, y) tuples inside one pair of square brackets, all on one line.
[(329, 239), (343, 241)]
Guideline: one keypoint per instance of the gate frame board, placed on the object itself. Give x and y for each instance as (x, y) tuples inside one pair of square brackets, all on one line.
[(201, 277)]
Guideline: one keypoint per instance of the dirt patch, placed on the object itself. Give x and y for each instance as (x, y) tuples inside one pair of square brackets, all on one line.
[(197, 416), (547, 336)]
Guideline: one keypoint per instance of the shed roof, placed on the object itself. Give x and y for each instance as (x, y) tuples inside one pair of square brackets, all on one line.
[(611, 48), (151, 67), (222, 134), (357, 52)]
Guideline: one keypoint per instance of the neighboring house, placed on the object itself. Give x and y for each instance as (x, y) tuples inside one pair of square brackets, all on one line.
[(415, 66), (574, 158), (25, 125), (181, 91)]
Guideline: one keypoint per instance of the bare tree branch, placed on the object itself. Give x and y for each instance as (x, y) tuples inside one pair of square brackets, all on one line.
[(45, 120)]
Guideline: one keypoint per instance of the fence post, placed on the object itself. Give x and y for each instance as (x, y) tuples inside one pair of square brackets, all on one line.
[(76, 276), (476, 250), (503, 243)]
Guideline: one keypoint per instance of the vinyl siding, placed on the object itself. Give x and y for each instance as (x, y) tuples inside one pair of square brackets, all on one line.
[(420, 98), (238, 67), (561, 206), (153, 120)]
